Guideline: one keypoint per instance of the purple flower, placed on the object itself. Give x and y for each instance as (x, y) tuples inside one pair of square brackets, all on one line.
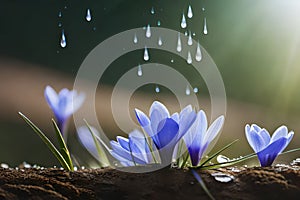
[(132, 150), (199, 137), (267, 148), (166, 130), (63, 104)]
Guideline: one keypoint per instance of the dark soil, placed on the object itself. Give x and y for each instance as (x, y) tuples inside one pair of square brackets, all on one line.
[(279, 182)]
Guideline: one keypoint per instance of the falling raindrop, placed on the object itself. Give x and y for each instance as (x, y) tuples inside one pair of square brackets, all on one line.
[(190, 40), (59, 14), (59, 24), (94, 28), (157, 90), (205, 27), (140, 71), (222, 159), (158, 23), (187, 90), (221, 177), (88, 16), (194, 34), (63, 41), (190, 12), (135, 39), (203, 9), (148, 31), (172, 60), (196, 90), (152, 10), (189, 58), (198, 56), (159, 41), (186, 33), (146, 54), (183, 21), (179, 47)]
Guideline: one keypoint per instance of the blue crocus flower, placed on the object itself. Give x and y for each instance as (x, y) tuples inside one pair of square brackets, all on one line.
[(267, 148), (199, 137), (132, 150), (166, 130), (63, 104)]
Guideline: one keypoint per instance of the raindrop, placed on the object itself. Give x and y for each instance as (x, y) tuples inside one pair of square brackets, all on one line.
[(65, 7), (221, 177), (190, 12), (146, 54), (186, 33), (140, 71), (198, 56), (203, 9), (75, 168), (179, 47), (59, 24), (59, 14), (187, 90), (190, 40), (183, 21), (205, 27), (152, 10), (88, 16), (158, 23), (189, 58), (222, 159), (135, 39), (196, 90), (63, 41), (194, 34), (159, 41), (94, 28), (148, 31), (172, 60), (157, 90), (234, 169)]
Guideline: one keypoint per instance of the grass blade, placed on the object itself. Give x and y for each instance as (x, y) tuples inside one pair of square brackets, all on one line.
[(49, 144), (64, 149), (199, 179)]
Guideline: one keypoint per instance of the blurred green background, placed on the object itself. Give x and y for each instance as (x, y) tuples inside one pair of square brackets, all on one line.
[(255, 44)]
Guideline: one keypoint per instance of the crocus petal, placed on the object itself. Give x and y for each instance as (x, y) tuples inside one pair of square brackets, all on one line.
[(267, 156), (51, 97), (280, 132), (214, 129), (186, 120), (167, 130), (158, 113), (265, 135), (254, 139), (123, 161), (175, 117), (124, 142), (87, 140), (194, 155), (142, 118)]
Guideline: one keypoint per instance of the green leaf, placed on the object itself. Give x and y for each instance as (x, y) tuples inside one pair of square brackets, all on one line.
[(218, 152), (49, 144), (104, 162), (64, 149)]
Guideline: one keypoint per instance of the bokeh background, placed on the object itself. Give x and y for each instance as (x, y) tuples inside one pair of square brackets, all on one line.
[(255, 44)]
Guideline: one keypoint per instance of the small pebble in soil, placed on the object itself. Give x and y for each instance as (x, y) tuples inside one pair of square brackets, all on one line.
[(4, 165), (296, 162), (24, 165), (221, 177)]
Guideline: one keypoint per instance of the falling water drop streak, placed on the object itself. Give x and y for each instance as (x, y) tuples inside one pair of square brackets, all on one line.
[(159, 41), (148, 31), (198, 56), (63, 41), (189, 58), (183, 21), (187, 90), (135, 39), (157, 90), (146, 54), (140, 71), (190, 12), (190, 40), (196, 90), (179, 47), (152, 10), (59, 14), (205, 27), (88, 16)]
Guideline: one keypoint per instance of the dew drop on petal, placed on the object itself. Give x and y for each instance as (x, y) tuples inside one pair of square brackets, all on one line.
[(198, 56), (88, 16), (179, 47), (190, 40), (148, 31), (146, 54), (159, 41), (189, 58), (63, 41), (190, 12), (140, 71), (187, 90), (135, 39), (157, 90), (205, 31), (222, 159), (183, 22)]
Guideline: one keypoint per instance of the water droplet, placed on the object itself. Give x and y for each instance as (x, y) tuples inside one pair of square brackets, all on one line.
[(63, 41), (189, 58), (152, 10), (88, 16), (190, 12), (65, 7), (196, 90), (203, 9), (179, 47), (135, 39), (205, 27), (59, 24), (148, 31), (198, 56), (59, 14), (4, 165), (94, 28), (194, 34), (158, 22), (157, 90), (82, 167), (234, 169), (159, 41), (221, 177), (222, 159), (172, 60), (140, 71), (187, 90), (190, 40), (146, 54), (75, 168), (183, 21)]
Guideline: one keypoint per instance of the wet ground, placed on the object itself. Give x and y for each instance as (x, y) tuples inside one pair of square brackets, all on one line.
[(278, 182)]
